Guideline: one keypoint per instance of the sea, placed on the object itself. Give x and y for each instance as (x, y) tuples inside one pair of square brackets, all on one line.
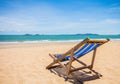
[(29, 38)]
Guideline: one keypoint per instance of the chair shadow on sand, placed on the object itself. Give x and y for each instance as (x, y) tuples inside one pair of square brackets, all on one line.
[(78, 77)]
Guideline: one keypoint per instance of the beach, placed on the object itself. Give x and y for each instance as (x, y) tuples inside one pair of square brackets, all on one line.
[(25, 63)]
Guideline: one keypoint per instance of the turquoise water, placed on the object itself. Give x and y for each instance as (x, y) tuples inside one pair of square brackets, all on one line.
[(27, 37)]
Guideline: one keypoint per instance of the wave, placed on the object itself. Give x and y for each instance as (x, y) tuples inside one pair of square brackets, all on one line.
[(44, 41)]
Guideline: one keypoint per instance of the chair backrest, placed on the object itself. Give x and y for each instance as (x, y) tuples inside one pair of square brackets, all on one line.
[(86, 47)]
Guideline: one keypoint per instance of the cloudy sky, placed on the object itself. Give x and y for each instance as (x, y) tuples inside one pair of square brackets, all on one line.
[(59, 16)]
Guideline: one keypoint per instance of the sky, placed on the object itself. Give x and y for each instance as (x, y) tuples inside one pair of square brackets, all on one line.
[(59, 16)]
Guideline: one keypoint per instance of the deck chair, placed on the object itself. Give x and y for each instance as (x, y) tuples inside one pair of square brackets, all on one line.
[(82, 48)]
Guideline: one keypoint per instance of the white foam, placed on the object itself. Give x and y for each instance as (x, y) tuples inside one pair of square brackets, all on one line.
[(44, 41)]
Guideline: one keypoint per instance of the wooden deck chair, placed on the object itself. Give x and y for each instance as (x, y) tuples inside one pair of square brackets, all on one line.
[(76, 52)]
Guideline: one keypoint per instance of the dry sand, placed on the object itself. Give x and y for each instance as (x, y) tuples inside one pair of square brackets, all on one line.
[(25, 63)]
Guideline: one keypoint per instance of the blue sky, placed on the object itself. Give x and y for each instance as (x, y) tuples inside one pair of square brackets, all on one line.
[(59, 16)]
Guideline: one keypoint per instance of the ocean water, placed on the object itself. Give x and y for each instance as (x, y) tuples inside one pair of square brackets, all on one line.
[(45, 38)]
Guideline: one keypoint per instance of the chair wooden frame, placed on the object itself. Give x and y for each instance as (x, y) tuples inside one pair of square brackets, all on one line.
[(68, 66)]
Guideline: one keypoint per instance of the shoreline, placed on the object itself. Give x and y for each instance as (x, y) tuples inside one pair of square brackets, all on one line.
[(45, 41)]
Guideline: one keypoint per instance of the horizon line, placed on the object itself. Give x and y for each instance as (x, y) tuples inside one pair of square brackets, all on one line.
[(62, 34)]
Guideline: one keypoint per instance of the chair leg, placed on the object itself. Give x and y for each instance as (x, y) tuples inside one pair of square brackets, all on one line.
[(50, 65), (93, 58), (70, 62), (54, 60)]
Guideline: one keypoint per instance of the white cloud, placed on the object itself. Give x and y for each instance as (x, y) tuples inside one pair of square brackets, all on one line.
[(115, 9), (111, 21)]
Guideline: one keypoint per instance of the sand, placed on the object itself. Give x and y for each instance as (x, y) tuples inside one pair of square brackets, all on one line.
[(25, 63)]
